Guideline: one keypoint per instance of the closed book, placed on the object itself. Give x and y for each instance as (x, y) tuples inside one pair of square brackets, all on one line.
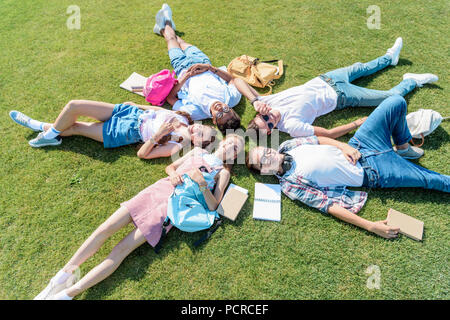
[(232, 202), (409, 226)]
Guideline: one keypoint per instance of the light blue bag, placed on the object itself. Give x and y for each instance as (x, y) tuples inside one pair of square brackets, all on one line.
[(187, 210)]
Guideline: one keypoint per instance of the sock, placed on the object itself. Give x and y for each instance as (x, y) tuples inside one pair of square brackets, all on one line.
[(51, 133), (36, 125), (62, 295), (61, 276)]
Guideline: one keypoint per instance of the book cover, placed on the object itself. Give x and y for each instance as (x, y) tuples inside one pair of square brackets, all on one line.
[(409, 226), (232, 202)]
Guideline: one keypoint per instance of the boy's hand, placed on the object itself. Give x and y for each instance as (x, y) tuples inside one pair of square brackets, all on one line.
[(350, 153), (261, 107), (197, 69), (382, 229)]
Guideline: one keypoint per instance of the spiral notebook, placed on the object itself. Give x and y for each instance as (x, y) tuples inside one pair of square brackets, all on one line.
[(267, 204)]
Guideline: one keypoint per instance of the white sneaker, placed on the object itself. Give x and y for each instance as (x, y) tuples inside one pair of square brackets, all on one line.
[(53, 288), (422, 78), (168, 15), (160, 22), (394, 52)]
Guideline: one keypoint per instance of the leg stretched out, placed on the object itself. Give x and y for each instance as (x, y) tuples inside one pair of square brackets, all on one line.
[(127, 245), (61, 287), (66, 123), (355, 96)]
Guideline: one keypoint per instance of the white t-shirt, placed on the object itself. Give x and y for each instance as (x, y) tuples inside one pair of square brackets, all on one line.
[(326, 166), (300, 106), (200, 91), (152, 120)]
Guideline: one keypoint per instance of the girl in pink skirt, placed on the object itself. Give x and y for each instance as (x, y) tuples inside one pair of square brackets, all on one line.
[(147, 210)]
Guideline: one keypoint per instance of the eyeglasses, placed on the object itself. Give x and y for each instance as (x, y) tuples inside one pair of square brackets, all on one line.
[(265, 160), (266, 119), (225, 109)]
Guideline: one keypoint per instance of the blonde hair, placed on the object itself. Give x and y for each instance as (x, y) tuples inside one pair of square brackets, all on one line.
[(231, 135)]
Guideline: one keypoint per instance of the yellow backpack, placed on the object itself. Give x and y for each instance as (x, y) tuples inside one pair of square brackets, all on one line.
[(255, 72)]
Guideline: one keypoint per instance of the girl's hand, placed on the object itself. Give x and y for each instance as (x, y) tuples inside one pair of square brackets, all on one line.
[(197, 176), (382, 229), (176, 179), (350, 153), (166, 128)]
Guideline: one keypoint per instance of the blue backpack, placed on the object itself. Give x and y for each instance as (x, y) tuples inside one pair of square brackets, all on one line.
[(187, 210)]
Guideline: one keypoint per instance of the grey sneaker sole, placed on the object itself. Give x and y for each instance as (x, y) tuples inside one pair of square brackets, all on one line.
[(53, 143), (410, 158)]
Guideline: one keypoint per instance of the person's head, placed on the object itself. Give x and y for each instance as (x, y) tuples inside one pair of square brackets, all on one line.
[(230, 147), (202, 135), (264, 160), (265, 123), (224, 117)]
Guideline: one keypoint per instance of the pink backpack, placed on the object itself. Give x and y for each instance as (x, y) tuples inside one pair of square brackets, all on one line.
[(158, 87)]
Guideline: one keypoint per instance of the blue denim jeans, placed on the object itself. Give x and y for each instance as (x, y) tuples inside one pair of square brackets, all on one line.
[(350, 95), (383, 166), (181, 60)]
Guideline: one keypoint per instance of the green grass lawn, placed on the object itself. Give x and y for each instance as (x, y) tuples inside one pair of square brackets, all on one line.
[(51, 199)]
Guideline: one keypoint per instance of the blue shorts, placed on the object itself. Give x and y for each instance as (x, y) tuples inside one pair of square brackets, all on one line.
[(123, 126), (181, 60)]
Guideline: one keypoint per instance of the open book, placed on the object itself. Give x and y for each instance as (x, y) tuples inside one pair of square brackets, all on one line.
[(409, 226), (232, 202), (133, 82), (267, 205)]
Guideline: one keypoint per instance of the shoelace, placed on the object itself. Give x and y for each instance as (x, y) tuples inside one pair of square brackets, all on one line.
[(22, 118)]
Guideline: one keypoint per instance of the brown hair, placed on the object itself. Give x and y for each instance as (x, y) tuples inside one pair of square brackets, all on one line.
[(249, 165), (186, 115), (208, 142), (252, 125), (171, 137), (232, 123)]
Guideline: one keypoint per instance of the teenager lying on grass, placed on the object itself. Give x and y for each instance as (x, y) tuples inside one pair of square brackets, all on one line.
[(162, 132), (147, 210), (316, 170), (294, 110), (204, 91)]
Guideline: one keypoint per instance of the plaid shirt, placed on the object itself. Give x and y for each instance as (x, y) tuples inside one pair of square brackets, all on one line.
[(297, 187)]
